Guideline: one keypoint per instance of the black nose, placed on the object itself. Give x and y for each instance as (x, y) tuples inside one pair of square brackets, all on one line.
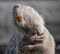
[(16, 6)]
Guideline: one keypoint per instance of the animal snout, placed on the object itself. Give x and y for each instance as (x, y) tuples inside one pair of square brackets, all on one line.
[(16, 6)]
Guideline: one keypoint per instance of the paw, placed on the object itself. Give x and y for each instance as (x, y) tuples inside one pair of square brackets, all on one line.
[(28, 48), (37, 38)]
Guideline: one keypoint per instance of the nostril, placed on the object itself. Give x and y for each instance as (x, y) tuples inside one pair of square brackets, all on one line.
[(17, 6)]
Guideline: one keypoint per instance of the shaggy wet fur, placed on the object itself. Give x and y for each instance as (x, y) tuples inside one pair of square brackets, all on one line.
[(32, 23)]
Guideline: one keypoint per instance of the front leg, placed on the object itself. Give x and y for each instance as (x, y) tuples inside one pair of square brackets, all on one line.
[(36, 39), (28, 49), (32, 49)]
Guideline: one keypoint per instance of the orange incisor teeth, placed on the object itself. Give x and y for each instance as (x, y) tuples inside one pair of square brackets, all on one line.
[(18, 18)]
